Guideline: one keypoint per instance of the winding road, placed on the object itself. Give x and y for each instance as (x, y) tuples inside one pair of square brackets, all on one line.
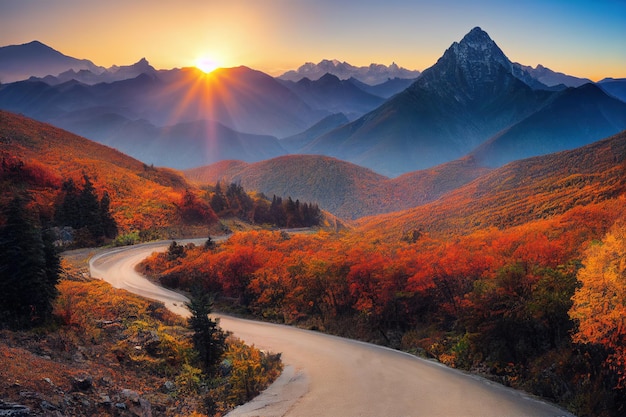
[(331, 376)]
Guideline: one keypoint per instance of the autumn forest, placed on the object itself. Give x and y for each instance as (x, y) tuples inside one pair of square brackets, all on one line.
[(512, 269), (521, 280)]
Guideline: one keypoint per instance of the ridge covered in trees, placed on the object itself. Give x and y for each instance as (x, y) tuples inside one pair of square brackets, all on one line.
[(235, 201)]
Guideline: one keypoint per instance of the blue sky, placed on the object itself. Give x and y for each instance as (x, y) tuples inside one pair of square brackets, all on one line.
[(582, 38)]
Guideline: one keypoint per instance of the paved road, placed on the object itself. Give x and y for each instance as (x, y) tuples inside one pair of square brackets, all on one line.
[(332, 376)]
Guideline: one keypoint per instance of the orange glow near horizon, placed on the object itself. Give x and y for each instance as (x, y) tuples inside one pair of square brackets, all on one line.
[(207, 64), (584, 39)]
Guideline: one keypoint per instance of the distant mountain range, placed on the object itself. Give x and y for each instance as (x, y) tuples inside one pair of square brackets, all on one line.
[(109, 75), (551, 78), (373, 74), (473, 101), (130, 114), (329, 93), (471, 95), (19, 62)]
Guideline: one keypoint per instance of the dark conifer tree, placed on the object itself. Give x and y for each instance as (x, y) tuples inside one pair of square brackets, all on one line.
[(291, 212), (262, 212), (109, 225), (277, 212), (218, 201), (209, 340), (28, 270), (90, 209), (68, 212)]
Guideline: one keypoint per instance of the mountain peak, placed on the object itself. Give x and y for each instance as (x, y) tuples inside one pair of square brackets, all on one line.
[(477, 36), (143, 65), (477, 45), (36, 43), (329, 78), (476, 60)]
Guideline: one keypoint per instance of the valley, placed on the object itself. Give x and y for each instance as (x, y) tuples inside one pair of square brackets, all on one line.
[(467, 220), (327, 369)]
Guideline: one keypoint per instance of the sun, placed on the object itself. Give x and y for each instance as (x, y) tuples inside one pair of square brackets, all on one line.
[(206, 64)]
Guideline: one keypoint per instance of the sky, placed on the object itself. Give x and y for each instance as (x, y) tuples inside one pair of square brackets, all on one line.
[(581, 38)]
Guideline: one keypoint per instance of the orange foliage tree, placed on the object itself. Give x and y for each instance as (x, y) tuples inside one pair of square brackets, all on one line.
[(600, 303)]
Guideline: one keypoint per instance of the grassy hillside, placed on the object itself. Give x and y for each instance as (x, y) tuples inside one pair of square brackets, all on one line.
[(519, 192), (39, 157), (344, 189)]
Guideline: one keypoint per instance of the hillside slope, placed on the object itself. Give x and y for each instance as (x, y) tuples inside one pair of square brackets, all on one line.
[(142, 197), (344, 189), (519, 192)]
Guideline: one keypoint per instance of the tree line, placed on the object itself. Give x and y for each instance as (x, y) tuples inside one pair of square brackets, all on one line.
[(29, 261), (80, 209), (235, 201)]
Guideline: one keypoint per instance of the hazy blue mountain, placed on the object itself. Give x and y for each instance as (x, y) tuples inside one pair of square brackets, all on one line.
[(387, 89), (109, 75), (551, 78), (20, 62), (615, 87), (297, 142), (180, 146), (469, 95), (373, 74), (331, 94), (574, 118), (240, 98)]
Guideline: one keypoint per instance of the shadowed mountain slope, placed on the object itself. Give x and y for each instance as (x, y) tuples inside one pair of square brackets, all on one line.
[(570, 120), (469, 95), (386, 89), (296, 142), (329, 93), (614, 87)]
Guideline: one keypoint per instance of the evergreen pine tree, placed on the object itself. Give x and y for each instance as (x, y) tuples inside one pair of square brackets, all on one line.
[(68, 212), (90, 209), (218, 201), (209, 340), (277, 212), (109, 225), (28, 270)]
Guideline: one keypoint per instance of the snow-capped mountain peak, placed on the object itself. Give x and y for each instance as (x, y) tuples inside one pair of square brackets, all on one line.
[(373, 74)]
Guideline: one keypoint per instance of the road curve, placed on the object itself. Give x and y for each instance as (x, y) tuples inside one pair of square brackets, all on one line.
[(332, 376)]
